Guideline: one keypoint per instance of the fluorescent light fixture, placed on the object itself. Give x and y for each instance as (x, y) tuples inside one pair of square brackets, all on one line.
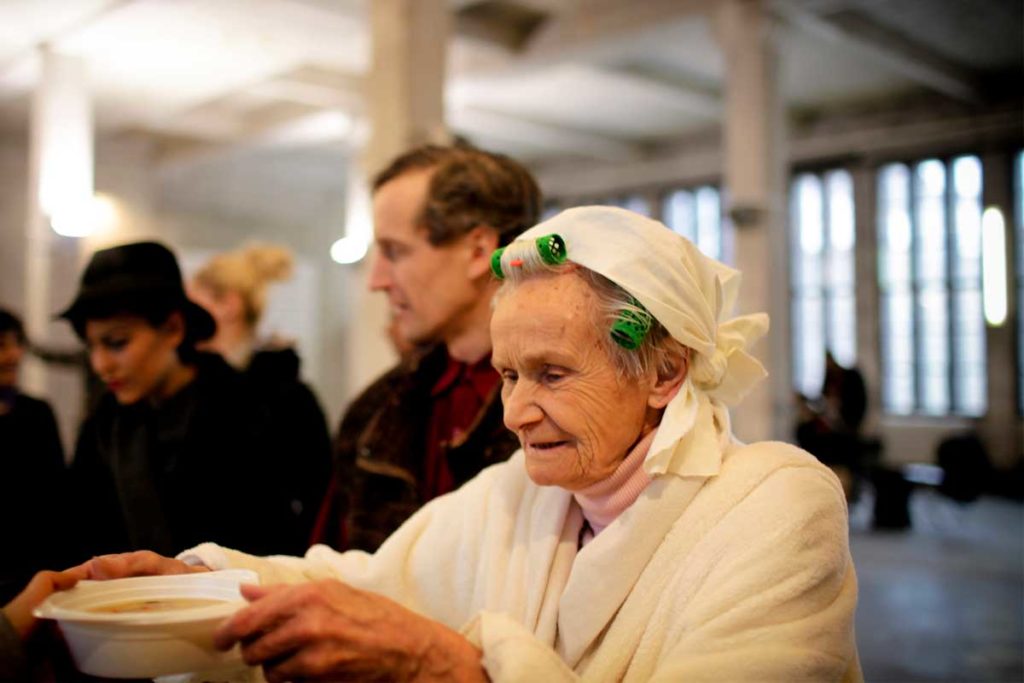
[(993, 266), (62, 131), (354, 245), (349, 250), (84, 218), (313, 129)]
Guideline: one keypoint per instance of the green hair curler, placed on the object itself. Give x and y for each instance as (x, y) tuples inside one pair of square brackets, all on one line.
[(496, 263), (551, 249), (631, 327)]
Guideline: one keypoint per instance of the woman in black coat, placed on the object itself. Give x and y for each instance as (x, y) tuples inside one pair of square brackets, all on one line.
[(181, 449), (232, 286)]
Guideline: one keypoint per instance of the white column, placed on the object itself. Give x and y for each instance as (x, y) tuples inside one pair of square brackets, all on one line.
[(999, 427), (406, 84), (405, 92), (868, 296), (60, 187), (754, 175)]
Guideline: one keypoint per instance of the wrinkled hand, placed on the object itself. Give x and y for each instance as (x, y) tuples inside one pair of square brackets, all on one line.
[(139, 563), (328, 630), (19, 610)]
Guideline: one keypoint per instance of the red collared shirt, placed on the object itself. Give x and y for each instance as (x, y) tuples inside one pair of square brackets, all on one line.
[(457, 399)]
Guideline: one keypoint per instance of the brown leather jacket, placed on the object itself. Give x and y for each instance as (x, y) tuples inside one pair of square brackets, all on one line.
[(381, 446)]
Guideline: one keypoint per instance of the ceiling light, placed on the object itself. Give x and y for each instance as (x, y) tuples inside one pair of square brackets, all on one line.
[(82, 218), (349, 250)]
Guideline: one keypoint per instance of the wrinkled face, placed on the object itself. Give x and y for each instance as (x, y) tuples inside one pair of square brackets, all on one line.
[(429, 288), (134, 359), (575, 418), (11, 352)]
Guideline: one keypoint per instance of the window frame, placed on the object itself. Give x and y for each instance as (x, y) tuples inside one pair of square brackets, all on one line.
[(724, 237)]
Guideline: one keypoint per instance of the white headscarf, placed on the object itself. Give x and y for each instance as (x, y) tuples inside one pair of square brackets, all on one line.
[(692, 296)]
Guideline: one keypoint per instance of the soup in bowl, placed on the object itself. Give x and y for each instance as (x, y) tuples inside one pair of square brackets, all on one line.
[(148, 626), (151, 605)]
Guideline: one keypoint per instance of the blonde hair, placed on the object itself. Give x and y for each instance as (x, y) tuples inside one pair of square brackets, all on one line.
[(247, 271)]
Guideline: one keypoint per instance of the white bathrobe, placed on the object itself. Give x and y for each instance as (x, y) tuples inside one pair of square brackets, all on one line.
[(745, 575)]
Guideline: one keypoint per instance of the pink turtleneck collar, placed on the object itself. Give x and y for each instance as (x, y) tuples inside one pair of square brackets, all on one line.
[(605, 500)]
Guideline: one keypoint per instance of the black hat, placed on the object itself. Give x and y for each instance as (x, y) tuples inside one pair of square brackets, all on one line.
[(135, 278)]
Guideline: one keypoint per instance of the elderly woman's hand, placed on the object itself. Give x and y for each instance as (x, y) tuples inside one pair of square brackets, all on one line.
[(139, 563), (328, 630)]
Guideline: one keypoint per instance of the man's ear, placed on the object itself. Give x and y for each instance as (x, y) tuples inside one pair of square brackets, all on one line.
[(667, 384), (481, 242)]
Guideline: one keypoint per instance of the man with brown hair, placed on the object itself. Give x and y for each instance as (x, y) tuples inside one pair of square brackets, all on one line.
[(435, 420)]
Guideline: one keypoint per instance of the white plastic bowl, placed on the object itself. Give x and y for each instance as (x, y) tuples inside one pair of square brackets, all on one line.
[(147, 644)]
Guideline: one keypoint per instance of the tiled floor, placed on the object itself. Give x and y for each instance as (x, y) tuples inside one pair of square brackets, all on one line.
[(943, 601)]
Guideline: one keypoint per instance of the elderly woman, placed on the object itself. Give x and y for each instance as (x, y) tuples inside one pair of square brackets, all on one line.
[(631, 538)]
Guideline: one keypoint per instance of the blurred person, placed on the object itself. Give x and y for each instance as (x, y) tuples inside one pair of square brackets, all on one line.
[(17, 624), (845, 396), (180, 448), (232, 286), (632, 537), (433, 421), (830, 427), (31, 469)]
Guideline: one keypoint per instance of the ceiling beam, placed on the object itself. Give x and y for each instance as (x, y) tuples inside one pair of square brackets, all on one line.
[(588, 25), (503, 23), (474, 121), (584, 30), (317, 129), (75, 21), (313, 95), (688, 97), (865, 37), (594, 31), (298, 96)]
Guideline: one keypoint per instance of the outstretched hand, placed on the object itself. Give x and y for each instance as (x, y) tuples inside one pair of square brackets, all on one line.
[(19, 610), (142, 563), (328, 630)]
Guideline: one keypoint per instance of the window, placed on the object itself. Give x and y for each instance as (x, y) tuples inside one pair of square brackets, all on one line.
[(823, 277), (636, 203), (697, 215), (929, 250)]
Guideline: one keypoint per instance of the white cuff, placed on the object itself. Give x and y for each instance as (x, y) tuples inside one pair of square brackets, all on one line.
[(208, 555)]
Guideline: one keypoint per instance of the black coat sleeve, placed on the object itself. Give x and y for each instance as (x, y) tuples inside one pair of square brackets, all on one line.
[(52, 449), (95, 513)]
